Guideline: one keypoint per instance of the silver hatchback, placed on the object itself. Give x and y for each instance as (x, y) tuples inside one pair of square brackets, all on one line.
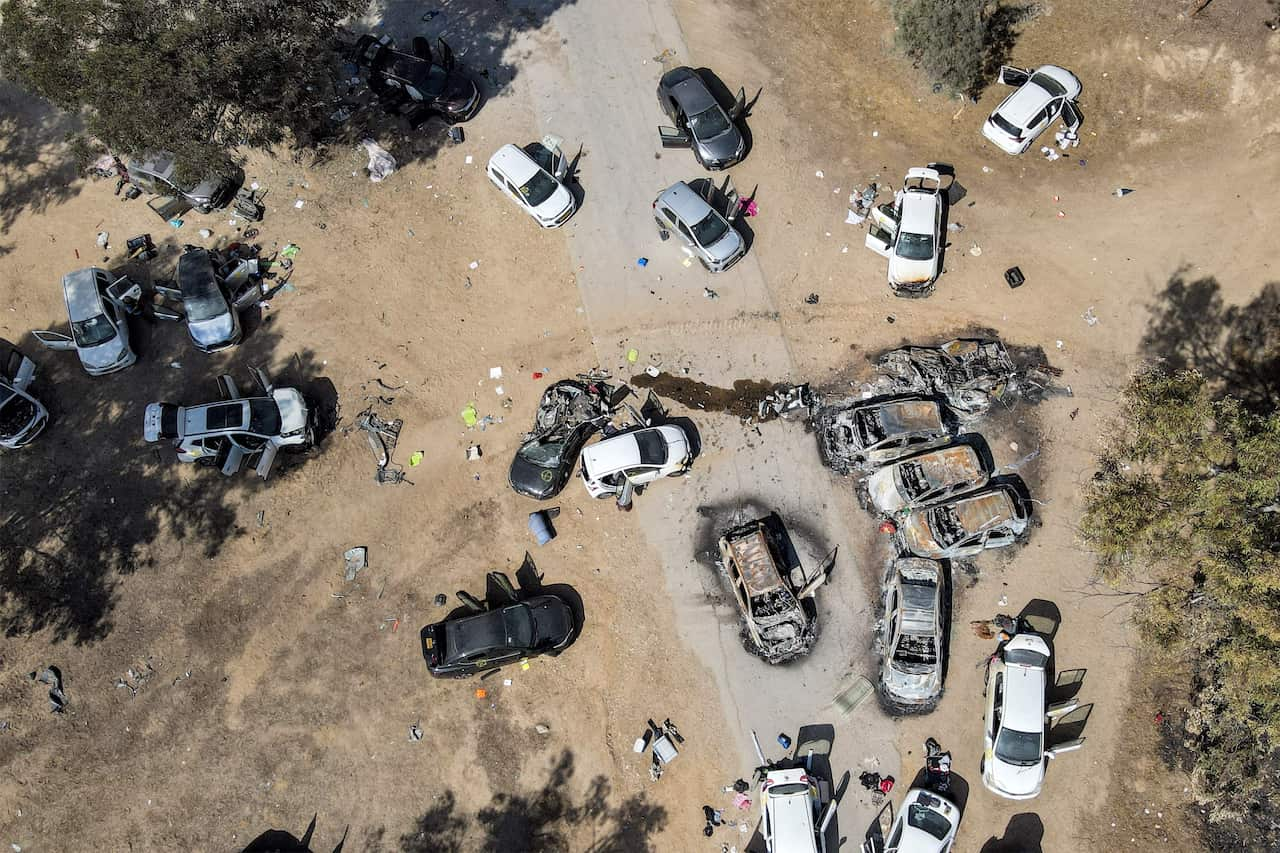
[(708, 233), (96, 306)]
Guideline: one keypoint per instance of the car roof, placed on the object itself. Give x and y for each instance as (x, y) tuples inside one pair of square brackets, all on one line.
[(1024, 688), (903, 416), (984, 510), (622, 451), (692, 94), (754, 559), (201, 295), (215, 417), (160, 163), (482, 631), (84, 300), (958, 463), (792, 815), (1025, 101), (513, 162), (686, 203), (918, 213)]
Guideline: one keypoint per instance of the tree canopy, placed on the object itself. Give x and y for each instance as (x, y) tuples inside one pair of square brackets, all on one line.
[(198, 78), (1187, 505)]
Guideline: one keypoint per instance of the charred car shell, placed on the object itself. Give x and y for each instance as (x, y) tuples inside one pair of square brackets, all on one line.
[(927, 478), (912, 638), (569, 413), (962, 527), (865, 435)]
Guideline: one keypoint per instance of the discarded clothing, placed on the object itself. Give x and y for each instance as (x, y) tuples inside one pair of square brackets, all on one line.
[(381, 163)]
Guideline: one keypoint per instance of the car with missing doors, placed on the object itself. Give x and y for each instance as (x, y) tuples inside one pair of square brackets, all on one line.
[(909, 233), (868, 434), (1018, 720), (701, 124), (97, 309), (927, 478), (480, 640), (993, 517), (419, 84), (237, 429), (534, 178), (707, 232), (22, 416), (1042, 96), (912, 633), (157, 173)]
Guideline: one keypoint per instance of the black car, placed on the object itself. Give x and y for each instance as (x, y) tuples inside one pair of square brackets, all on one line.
[(419, 83), (701, 123), (474, 642), (569, 413)]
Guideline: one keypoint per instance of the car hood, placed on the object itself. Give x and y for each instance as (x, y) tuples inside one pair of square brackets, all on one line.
[(212, 332), (1012, 779), (884, 491), (207, 190), (105, 354), (458, 90), (903, 271), (911, 686), (726, 146), (727, 246), (557, 203), (917, 536), (293, 409), (528, 479)]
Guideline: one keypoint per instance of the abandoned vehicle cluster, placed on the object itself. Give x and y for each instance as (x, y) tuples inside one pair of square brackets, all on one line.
[(910, 440)]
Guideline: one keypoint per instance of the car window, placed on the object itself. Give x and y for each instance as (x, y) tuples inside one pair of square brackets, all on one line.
[(652, 447), (543, 454), (224, 416), (1044, 81), (709, 123), (670, 217), (915, 247), (264, 417), (710, 229), (1021, 749), (922, 817), (685, 231), (1005, 125), (93, 331), (538, 188)]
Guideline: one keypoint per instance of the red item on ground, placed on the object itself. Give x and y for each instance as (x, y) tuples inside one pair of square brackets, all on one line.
[(888, 528), (537, 374), (886, 784)]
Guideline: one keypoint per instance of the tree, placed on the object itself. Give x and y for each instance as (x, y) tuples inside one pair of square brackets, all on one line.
[(946, 37), (198, 78), (1187, 504)]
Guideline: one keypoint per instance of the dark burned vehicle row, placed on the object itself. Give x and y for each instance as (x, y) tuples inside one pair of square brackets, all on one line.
[(774, 594), (912, 638)]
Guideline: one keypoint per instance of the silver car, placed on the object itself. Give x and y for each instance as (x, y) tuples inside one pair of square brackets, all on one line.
[(21, 415), (96, 306), (912, 641), (708, 234), (213, 321), (701, 123), (158, 174)]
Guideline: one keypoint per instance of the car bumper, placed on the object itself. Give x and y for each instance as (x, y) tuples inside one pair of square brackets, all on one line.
[(128, 360), (560, 219), (27, 434), (991, 786), (1003, 141), (721, 266)]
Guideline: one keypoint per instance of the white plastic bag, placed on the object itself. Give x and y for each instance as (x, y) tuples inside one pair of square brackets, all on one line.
[(381, 163)]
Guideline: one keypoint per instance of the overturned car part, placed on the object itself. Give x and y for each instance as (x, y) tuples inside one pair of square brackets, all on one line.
[(775, 598), (382, 437)]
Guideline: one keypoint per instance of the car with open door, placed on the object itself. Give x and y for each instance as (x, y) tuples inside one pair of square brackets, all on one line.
[(927, 823), (418, 84), (927, 478), (569, 413), (636, 457), (237, 429), (1018, 720), (22, 416), (706, 231), (157, 173), (869, 433), (701, 124), (534, 178), (912, 641), (213, 317), (909, 233), (1042, 96), (993, 517), (97, 305), (481, 639)]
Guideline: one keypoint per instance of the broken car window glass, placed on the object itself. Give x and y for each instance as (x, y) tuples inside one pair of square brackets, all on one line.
[(96, 330)]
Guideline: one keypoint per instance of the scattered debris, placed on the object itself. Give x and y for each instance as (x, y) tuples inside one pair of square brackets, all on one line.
[(540, 524), (1121, 192), (474, 453), (968, 373), (1014, 278), (440, 600), (854, 692), (784, 400), (415, 733), (811, 299), (382, 436), (136, 677), (663, 739), (542, 728), (381, 163), (709, 293), (356, 559), (52, 676), (1089, 317)]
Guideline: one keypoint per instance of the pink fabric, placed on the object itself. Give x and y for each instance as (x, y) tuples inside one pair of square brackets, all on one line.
[(742, 801)]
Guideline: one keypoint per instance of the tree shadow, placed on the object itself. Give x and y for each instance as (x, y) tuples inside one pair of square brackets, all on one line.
[(998, 39), (1024, 834), (1236, 347), (481, 35), (105, 496), (554, 817), (37, 167)]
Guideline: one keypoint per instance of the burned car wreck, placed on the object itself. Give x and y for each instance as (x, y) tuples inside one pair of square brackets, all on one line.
[(775, 596), (570, 412), (868, 434)]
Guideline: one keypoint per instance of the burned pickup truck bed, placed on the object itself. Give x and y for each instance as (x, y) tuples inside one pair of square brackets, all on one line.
[(778, 624)]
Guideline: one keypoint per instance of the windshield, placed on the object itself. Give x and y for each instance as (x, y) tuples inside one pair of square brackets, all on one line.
[(709, 123), (1021, 749), (788, 790), (264, 417), (946, 526), (710, 229), (1044, 81), (1005, 125), (542, 454), (1025, 657), (923, 817), (519, 627), (653, 449), (915, 247), (96, 330), (538, 188)]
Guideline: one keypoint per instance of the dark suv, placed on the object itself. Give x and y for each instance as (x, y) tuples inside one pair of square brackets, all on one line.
[(417, 84)]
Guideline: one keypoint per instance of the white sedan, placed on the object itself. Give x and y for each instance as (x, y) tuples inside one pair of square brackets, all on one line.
[(927, 823), (533, 177), (637, 457), (1015, 756), (909, 233), (1041, 97)]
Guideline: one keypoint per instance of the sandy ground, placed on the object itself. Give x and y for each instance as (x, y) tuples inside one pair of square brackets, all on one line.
[(302, 686)]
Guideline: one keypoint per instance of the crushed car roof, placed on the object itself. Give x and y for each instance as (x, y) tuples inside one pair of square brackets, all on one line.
[(956, 464), (750, 552), (903, 416)]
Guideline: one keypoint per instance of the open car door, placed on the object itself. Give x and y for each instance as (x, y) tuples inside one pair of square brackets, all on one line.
[(673, 137), (54, 340), (227, 387), (820, 577), (741, 106), (444, 55), (729, 195), (1071, 116), (266, 459), (232, 457), (874, 841), (557, 164), (168, 207), (1011, 76), (881, 229)]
